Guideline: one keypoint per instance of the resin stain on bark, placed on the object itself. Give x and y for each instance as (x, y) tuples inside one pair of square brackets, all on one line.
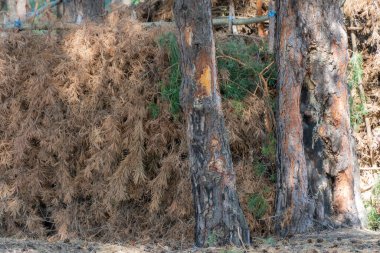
[(205, 82), (189, 35), (204, 74)]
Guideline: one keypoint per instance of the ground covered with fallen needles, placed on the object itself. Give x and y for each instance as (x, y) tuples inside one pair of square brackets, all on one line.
[(345, 240)]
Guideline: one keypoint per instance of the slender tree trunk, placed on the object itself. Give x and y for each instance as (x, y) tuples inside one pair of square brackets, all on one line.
[(232, 28), (12, 10), (272, 26), (21, 6), (219, 218), (318, 175), (76, 11), (16, 9)]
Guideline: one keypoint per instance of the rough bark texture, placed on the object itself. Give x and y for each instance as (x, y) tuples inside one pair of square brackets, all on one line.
[(318, 175), (75, 11), (219, 218)]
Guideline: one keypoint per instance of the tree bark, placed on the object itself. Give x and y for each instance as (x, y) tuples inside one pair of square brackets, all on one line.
[(318, 174), (76, 11), (219, 218)]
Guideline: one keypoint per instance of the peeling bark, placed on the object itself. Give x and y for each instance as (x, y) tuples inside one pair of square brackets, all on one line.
[(219, 218), (318, 175)]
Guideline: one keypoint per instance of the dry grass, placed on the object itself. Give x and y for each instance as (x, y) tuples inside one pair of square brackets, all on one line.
[(81, 155)]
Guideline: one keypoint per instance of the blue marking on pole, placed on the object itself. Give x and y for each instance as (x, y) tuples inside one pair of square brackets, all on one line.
[(18, 24), (271, 13)]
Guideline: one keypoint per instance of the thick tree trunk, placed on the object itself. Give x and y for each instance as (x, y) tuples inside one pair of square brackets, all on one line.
[(318, 176), (75, 11), (219, 218)]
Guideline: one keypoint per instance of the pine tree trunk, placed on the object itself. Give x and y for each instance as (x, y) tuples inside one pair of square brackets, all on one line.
[(318, 175), (219, 218)]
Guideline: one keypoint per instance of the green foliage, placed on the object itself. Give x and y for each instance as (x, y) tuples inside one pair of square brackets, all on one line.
[(356, 70), (268, 149), (373, 218), (236, 58), (170, 90), (373, 207), (357, 110), (260, 168), (238, 107), (211, 239), (270, 240), (273, 178), (258, 205), (154, 110), (34, 2), (376, 190)]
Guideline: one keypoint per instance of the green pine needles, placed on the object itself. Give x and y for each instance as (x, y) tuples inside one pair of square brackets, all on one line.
[(170, 89), (357, 109), (239, 64), (373, 208)]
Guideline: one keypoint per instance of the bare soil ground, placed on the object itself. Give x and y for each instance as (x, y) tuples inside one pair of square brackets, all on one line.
[(345, 240)]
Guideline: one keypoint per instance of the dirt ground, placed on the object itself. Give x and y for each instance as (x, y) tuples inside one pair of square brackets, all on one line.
[(344, 240)]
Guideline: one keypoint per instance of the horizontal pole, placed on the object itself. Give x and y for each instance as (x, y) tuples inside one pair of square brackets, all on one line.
[(39, 27), (215, 21), (240, 21)]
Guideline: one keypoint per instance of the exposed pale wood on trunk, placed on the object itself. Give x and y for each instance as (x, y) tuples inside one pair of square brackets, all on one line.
[(219, 218)]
